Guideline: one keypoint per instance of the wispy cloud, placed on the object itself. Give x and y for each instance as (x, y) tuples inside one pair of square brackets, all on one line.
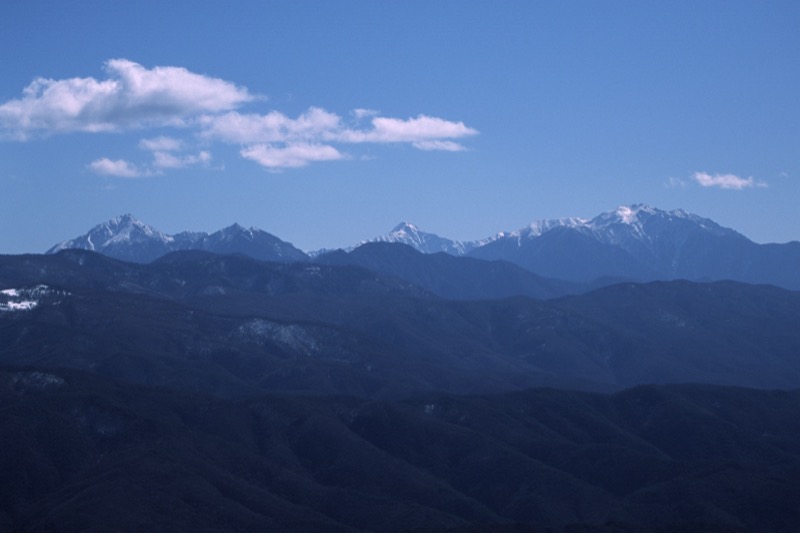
[(118, 168), (161, 144), (290, 156), (726, 181), (134, 97), (675, 183), (413, 130), (166, 160), (276, 133), (447, 146), (362, 113), (166, 155)]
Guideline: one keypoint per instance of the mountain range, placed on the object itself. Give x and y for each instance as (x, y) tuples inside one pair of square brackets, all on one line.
[(129, 239), (386, 389), (634, 371), (636, 243)]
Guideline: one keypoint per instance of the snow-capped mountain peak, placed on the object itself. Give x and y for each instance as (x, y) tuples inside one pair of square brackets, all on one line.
[(649, 222), (427, 243), (539, 227), (405, 227), (119, 231), (127, 238), (237, 231), (632, 240), (629, 215)]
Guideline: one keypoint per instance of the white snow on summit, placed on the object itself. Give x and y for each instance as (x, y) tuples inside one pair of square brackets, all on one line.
[(626, 225), (539, 227), (427, 243), (120, 230), (636, 221)]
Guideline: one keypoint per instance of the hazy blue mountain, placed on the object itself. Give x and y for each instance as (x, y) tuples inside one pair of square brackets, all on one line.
[(638, 243), (448, 276), (644, 243), (128, 239), (252, 242)]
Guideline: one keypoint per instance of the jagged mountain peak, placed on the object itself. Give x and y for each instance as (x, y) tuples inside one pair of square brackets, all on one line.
[(649, 222), (127, 218), (639, 220), (634, 241), (116, 232), (405, 227), (236, 230), (127, 238), (536, 228), (427, 243), (633, 214), (128, 223)]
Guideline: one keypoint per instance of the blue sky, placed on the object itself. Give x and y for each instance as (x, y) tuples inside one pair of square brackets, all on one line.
[(326, 123)]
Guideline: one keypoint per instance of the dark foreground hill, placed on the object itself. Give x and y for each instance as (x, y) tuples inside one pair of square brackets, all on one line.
[(231, 326), (82, 453), (220, 393)]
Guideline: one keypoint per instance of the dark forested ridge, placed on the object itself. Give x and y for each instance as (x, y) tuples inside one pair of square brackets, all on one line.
[(82, 453), (219, 393), (226, 324)]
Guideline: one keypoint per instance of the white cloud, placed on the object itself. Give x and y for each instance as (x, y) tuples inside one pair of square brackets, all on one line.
[(675, 183), (362, 113), (319, 125), (413, 130), (233, 127), (726, 181), (161, 144), (275, 140), (290, 156), (119, 168), (446, 146), (132, 96), (164, 160)]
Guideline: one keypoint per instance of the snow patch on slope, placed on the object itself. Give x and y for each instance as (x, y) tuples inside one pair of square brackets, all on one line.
[(25, 299)]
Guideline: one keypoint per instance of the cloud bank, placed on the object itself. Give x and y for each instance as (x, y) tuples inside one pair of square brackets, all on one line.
[(133, 97)]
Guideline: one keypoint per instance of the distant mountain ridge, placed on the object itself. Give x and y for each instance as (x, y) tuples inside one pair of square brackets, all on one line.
[(128, 239), (427, 243), (636, 242), (239, 324), (450, 276), (643, 243)]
